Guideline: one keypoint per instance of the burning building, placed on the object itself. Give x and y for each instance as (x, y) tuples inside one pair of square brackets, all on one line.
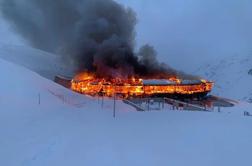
[(89, 84)]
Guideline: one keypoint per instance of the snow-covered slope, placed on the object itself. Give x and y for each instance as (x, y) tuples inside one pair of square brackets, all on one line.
[(46, 64), (70, 129), (231, 76)]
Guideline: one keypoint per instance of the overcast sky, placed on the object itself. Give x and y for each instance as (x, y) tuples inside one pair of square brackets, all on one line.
[(185, 32), (7, 36)]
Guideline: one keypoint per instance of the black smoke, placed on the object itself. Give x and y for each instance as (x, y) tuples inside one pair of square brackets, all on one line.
[(92, 35)]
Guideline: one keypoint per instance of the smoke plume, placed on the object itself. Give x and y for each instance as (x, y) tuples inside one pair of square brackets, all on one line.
[(92, 35)]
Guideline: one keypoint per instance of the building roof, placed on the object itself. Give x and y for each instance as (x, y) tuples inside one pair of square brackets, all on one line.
[(191, 82), (157, 82)]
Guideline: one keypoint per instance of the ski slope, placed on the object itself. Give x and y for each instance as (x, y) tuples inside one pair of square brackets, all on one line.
[(64, 128), (231, 76), (46, 64)]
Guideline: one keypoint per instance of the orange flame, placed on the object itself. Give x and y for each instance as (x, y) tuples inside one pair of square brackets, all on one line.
[(88, 83)]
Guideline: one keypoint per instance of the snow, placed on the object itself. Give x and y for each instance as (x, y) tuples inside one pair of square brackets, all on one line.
[(71, 129), (231, 76), (46, 64)]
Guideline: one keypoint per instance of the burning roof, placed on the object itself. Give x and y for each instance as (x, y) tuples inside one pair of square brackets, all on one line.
[(91, 85), (157, 82)]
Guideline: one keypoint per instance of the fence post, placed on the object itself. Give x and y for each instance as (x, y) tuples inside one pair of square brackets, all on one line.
[(148, 104), (39, 98), (102, 101), (163, 103), (114, 110)]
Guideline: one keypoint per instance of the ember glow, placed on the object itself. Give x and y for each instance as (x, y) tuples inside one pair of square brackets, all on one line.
[(88, 83)]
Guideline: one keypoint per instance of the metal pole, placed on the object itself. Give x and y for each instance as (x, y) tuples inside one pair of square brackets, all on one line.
[(114, 113), (39, 98), (148, 104), (163, 103), (102, 100)]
